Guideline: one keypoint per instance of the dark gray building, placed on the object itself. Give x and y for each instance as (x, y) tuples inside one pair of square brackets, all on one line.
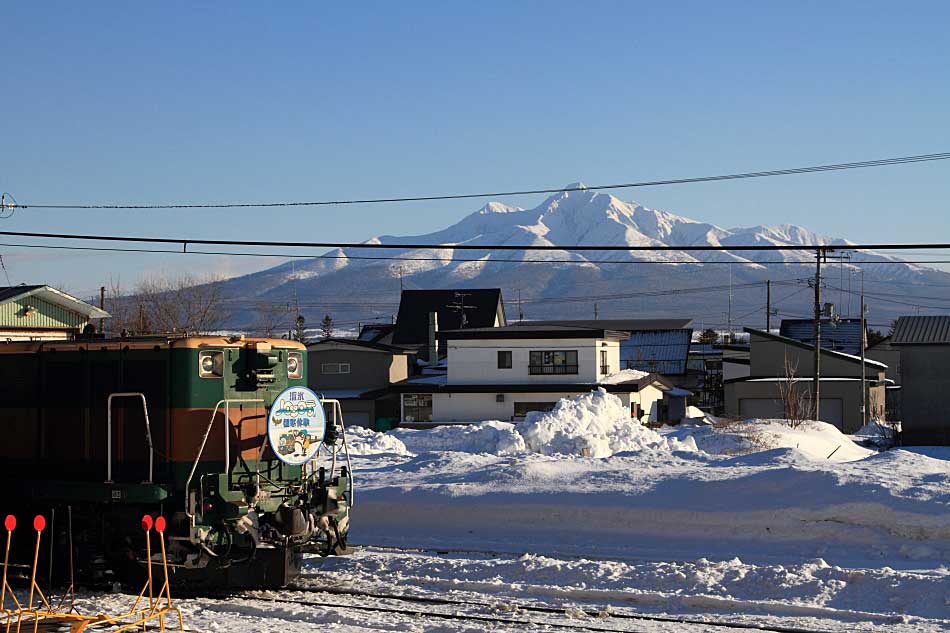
[(924, 344), (359, 374)]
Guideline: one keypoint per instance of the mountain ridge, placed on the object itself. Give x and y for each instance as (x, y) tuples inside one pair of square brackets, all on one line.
[(566, 219)]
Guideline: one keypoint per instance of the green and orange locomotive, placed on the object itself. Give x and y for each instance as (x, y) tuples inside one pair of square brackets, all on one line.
[(218, 433)]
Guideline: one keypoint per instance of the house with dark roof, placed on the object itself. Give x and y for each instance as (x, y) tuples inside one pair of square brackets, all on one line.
[(772, 360), (41, 313), (453, 309), (924, 346), (840, 335), (655, 345), (359, 373), (504, 373)]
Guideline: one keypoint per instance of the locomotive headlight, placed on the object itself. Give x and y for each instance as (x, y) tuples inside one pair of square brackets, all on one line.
[(211, 364), (294, 365)]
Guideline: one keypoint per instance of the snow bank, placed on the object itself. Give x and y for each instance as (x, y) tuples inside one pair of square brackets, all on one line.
[(496, 438), (596, 424), (362, 441), (814, 440)]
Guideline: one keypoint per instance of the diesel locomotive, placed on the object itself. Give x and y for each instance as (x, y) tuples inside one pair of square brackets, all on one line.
[(219, 434)]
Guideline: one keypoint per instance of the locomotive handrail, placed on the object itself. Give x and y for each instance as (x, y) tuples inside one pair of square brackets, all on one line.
[(148, 433), (338, 411), (227, 445)]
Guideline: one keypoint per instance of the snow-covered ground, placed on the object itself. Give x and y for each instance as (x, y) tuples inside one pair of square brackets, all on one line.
[(581, 509)]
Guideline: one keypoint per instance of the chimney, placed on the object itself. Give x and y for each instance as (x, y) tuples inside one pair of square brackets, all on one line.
[(433, 341)]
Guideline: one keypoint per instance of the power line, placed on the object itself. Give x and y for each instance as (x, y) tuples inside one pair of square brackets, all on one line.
[(184, 242), (498, 194), (579, 262)]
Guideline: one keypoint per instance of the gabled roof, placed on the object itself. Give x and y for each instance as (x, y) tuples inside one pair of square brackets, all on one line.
[(374, 332), (533, 332), (806, 346), (842, 335), (628, 325), (663, 351), (54, 296), (922, 330), (354, 342), (480, 306)]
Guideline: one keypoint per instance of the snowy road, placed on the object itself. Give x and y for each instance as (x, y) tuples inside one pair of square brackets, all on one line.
[(458, 591)]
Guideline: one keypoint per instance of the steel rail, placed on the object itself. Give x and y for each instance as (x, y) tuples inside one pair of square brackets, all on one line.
[(549, 611)]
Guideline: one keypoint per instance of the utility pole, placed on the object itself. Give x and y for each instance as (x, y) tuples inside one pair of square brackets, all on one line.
[(816, 389), (595, 311), (102, 306), (399, 270), (768, 305), (864, 341), (729, 314), (520, 311)]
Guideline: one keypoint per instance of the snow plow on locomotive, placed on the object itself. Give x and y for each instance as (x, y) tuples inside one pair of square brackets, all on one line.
[(220, 434)]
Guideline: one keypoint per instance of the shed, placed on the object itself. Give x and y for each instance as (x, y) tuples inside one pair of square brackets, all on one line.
[(43, 313)]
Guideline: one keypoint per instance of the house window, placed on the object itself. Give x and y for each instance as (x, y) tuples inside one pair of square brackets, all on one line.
[(504, 359), (334, 368), (604, 367), (417, 407), (553, 362), (523, 408)]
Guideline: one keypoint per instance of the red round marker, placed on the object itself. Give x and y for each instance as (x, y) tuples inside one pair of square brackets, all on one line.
[(146, 523), (160, 524), (39, 523), (10, 523)]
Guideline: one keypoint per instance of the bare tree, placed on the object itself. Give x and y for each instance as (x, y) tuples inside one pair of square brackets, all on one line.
[(272, 319), (795, 397), (184, 305)]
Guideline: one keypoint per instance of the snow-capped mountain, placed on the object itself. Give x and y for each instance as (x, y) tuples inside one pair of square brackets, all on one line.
[(357, 284)]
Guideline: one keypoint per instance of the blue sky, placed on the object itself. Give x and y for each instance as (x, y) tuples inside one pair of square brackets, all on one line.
[(176, 102)]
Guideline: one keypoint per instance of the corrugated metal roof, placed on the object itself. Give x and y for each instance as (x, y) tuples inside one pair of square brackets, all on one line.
[(660, 351), (922, 329), (617, 324), (8, 292), (843, 335)]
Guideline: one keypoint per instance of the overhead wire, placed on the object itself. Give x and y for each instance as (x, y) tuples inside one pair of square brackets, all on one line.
[(518, 192)]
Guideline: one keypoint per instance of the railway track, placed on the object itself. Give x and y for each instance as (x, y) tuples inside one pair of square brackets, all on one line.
[(423, 607)]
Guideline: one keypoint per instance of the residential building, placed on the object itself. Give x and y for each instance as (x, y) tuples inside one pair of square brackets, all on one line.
[(924, 345), (841, 335), (453, 309), (889, 354), (503, 373), (43, 313), (772, 358), (359, 374)]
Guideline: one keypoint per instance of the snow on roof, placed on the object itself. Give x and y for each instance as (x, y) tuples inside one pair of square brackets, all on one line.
[(624, 375)]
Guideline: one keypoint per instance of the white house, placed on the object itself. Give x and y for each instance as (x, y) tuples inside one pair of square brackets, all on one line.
[(502, 373)]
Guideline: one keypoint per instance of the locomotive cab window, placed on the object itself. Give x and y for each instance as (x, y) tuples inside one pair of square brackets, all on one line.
[(211, 364)]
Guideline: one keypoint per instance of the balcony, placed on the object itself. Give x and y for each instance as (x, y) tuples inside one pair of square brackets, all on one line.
[(547, 370)]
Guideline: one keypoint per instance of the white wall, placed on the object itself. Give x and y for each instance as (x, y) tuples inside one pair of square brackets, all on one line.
[(475, 362)]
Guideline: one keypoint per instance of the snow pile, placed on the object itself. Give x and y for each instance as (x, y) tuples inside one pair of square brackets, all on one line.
[(814, 440), (624, 375), (596, 424), (496, 438), (363, 441)]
